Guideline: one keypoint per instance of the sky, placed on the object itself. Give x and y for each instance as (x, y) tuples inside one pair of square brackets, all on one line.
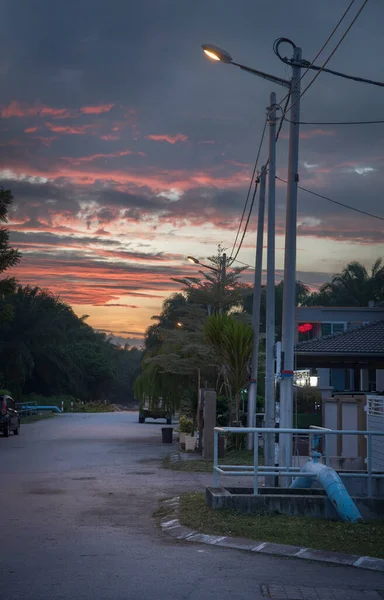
[(127, 150)]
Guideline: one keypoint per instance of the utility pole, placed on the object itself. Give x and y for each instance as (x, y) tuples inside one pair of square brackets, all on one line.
[(289, 294), (222, 276), (252, 392), (270, 303)]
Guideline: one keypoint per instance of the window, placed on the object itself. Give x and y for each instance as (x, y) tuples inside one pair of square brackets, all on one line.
[(332, 328)]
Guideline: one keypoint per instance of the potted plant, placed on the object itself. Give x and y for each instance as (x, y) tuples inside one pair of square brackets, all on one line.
[(185, 425), (189, 437)]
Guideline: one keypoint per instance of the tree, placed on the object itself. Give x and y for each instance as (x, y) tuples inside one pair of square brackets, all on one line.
[(231, 341), (354, 286), (215, 291), (47, 349), (9, 257)]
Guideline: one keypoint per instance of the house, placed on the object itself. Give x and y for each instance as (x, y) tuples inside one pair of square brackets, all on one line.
[(358, 353), (331, 340)]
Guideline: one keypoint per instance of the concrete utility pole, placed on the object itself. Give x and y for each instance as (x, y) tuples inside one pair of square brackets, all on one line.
[(289, 295), (289, 300), (223, 274), (269, 442), (252, 392)]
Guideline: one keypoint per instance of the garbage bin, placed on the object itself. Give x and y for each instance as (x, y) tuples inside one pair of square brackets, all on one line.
[(167, 434)]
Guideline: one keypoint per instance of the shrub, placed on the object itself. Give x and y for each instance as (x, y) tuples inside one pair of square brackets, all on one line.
[(185, 425)]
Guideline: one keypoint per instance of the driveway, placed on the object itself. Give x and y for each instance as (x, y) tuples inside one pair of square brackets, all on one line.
[(76, 499)]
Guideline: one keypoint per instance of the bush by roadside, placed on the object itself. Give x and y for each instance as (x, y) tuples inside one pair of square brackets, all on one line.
[(70, 403), (361, 539)]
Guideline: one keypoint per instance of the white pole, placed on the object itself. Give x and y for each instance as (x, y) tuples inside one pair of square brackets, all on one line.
[(289, 295), (270, 303), (252, 393)]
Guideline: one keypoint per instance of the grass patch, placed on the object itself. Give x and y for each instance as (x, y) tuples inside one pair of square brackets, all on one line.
[(33, 418), (199, 465), (363, 539)]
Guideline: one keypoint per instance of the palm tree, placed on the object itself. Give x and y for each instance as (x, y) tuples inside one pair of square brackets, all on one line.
[(354, 286), (232, 341)]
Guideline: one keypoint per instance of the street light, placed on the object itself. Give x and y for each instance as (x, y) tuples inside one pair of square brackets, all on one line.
[(289, 293), (196, 261)]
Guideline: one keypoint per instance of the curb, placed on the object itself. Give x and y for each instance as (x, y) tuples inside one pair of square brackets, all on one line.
[(171, 526)]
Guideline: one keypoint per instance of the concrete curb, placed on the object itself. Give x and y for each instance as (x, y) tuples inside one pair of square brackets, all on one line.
[(170, 524)]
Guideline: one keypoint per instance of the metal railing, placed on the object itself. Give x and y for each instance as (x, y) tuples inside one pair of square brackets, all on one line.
[(286, 470), (26, 408)]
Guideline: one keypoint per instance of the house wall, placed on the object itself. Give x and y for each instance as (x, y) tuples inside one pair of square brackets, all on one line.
[(352, 317)]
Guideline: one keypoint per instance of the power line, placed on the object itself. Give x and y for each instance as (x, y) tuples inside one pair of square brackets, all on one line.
[(320, 69), (249, 192), (334, 122), (246, 224), (309, 65), (363, 212), (276, 274)]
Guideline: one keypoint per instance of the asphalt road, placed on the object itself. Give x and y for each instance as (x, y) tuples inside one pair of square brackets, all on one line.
[(77, 494)]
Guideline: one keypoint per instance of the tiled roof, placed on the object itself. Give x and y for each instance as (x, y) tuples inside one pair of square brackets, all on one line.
[(368, 339)]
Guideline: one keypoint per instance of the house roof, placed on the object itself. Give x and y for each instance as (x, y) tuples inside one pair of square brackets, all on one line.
[(366, 340)]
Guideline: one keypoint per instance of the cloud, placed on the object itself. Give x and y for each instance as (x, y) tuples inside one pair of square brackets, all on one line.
[(171, 139), (30, 129), (96, 110), (86, 159), (123, 305), (23, 110), (70, 129), (109, 137)]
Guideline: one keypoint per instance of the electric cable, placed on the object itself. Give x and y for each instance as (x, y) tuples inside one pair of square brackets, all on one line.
[(320, 69), (334, 122), (232, 259), (363, 212), (249, 190), (309, 64)]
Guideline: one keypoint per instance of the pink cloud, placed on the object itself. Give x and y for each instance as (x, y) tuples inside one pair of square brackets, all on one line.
[(22, 109), (47, 141), (96, 110), (110, 137), (171, 139), (67, 129), (85, 159), (30, 129)]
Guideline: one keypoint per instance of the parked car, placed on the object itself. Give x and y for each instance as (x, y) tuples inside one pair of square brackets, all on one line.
[(155, 411), (9, 417)]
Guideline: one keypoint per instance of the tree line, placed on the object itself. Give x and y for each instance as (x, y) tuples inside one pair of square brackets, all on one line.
[(46, 349)]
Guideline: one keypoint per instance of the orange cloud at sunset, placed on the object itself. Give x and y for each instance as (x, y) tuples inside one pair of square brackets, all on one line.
[(22, 109), (171, 139), (75, 130)]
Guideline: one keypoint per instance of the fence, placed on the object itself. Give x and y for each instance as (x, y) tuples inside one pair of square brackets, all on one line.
[(375, 422), (286, 470), (26, 408)]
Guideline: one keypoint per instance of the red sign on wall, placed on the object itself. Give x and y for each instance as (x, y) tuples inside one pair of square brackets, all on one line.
[(305, 327)]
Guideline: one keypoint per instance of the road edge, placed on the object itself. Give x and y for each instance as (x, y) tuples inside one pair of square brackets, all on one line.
[(170, 524)]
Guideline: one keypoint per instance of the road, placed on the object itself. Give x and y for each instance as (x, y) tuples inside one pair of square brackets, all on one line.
[(77, 496)]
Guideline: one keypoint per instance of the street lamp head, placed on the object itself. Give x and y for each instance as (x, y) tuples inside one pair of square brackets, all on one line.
[(194, 260), (216, 53)]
